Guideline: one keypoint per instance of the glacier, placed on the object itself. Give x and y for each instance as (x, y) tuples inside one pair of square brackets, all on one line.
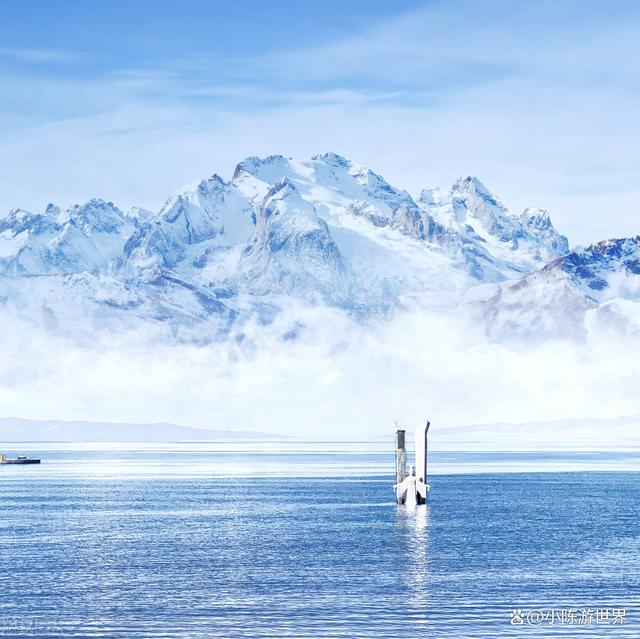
[(283, 236)]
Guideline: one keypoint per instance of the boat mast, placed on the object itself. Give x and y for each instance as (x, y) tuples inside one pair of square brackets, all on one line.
[(401, 455), (421, 451)]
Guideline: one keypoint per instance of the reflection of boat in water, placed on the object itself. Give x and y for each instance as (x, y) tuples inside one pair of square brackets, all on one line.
[(20, 459), (413, 488)]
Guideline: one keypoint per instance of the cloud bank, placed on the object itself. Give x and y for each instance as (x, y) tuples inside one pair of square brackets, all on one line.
[(336, 379)]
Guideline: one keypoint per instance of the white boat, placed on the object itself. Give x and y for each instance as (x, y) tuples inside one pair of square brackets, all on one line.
[(412, 489), (20, 459)]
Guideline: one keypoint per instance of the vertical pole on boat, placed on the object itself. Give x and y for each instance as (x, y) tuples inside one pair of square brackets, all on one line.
[(401, 455), (421, 452), (426, 432)]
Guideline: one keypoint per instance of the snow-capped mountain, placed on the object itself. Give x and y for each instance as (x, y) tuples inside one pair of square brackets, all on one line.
[(280, 232), (494, 243), (82, 238), (598, 285)]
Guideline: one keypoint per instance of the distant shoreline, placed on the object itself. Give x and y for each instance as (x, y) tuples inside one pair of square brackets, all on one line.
[(16, 430)]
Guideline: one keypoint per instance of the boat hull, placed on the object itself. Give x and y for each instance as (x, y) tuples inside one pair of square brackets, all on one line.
[(7, 462)]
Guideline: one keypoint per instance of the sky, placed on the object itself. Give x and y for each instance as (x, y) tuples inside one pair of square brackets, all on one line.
[(129, 100)]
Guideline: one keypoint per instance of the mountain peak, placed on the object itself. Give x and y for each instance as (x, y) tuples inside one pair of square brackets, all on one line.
[(214, 181), (536, 218), (52, 210), (253, 164), (95, 203), (616, 253), (333, 159), (98, 215), (18, 215), (282, 188), (473, 185), (19, 220), (212, 185), (593, 266)]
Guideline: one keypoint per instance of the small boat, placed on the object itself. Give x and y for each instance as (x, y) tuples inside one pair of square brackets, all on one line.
[(412, 489), (20, 459)]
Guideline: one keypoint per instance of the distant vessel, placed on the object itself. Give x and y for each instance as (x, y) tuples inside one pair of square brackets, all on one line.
[(20, 459), (412, 489)]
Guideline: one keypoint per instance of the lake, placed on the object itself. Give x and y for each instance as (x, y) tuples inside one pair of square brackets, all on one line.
[(303, 539)]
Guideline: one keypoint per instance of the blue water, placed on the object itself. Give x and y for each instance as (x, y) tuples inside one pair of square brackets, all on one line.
[(280, 541)]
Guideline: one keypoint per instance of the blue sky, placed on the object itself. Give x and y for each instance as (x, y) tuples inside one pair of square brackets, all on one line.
[(129, 100)]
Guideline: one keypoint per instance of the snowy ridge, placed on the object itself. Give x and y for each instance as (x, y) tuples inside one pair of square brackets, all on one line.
[(594, 286), (291, 251), (82, 238)]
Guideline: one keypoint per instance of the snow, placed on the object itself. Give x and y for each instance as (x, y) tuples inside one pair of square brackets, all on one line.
[(10, 245)]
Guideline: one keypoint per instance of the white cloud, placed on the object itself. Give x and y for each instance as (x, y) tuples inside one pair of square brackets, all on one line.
[(38, 56)]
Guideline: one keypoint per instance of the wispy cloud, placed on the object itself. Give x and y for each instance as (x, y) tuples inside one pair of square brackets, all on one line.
[(38, 56)]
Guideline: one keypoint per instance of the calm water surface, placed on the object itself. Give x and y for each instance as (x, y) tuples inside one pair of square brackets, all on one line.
[(304, 540)]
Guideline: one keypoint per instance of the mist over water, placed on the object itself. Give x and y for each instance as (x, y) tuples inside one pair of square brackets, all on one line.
[(336, 377)]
